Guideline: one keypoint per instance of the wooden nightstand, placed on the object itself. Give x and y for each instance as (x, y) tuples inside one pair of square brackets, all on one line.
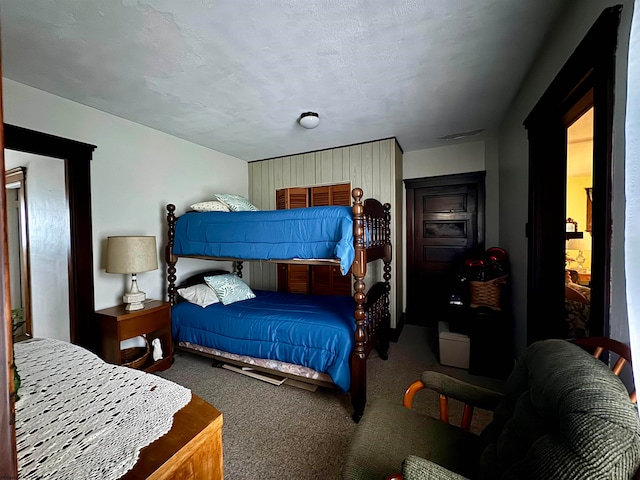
[(118, 324)]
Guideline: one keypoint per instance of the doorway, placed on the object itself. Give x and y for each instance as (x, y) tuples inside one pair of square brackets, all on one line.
[(578, 208), (585, 82), (445, 224), (76, 157)]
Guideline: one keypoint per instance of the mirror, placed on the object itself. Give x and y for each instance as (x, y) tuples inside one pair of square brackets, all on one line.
[(589, 201), (41, 259), (18, 246)]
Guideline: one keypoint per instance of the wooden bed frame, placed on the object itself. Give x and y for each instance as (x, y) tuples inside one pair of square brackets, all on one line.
[(372, 241)]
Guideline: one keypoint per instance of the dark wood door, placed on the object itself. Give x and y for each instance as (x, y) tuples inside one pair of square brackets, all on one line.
[(445, 224)]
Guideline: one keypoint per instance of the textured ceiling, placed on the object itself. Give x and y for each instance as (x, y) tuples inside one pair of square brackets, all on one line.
[(235, 75)]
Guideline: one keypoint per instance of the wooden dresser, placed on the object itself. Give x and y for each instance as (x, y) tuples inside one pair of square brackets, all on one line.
[(192, 450)]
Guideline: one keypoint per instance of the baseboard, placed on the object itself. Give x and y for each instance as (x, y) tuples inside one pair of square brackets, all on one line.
[(394, 333)]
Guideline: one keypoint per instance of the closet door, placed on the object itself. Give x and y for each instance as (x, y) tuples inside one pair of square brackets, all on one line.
[(327, 280), (292, 278)]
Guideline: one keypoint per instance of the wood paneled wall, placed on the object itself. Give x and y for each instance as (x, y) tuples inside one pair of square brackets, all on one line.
[(376, 167)]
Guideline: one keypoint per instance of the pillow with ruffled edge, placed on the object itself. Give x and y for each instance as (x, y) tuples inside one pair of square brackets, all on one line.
[(229, 288), (210, 206), (236, 203), (200, 294)]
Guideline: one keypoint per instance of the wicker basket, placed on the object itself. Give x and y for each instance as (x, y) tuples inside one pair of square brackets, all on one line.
[(487, 294), (135, 357)]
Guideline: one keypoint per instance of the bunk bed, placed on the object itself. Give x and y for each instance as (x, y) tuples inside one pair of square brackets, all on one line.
[(239, 236)]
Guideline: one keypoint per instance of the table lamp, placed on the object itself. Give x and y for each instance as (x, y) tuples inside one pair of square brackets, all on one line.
[(582, 245), (132, 255)]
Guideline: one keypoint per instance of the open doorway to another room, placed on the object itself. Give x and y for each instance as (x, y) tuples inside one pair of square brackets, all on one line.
[(584, 84), (40, 263), (579, 225)]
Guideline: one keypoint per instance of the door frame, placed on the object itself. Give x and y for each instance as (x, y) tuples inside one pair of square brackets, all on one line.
[(411, 185), (586, 78), (77, 169)]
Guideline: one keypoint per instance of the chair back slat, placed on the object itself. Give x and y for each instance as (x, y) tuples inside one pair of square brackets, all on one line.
[(600, 344)]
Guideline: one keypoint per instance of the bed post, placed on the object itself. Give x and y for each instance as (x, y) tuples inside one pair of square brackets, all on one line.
[(168, 253), (359, 269), (383, 342)]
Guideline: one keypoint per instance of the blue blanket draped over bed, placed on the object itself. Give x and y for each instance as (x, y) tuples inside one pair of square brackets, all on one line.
[(306, 233), (314, 331)]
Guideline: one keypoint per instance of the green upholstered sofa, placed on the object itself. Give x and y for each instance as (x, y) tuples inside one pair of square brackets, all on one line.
[(563, 415)]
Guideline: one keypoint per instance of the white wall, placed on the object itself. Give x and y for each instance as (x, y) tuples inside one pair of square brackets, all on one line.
[(48, 223), (432, 162), (465, 157), (513, 153), (135, 172)]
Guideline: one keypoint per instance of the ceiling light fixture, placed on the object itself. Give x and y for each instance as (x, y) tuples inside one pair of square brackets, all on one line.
[(309, 120), (456, 136)]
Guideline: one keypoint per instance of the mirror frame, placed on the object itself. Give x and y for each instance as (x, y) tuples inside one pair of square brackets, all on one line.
[(19, 175)]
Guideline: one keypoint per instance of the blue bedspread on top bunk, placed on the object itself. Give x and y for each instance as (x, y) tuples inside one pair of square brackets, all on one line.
[(306, 233), (314, 331)]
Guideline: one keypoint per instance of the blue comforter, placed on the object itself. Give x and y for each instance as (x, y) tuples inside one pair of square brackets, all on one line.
[(311, 330), (306, 233)]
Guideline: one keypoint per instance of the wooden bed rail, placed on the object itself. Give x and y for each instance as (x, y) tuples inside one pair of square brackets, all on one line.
[(372, 241), (170, 258)]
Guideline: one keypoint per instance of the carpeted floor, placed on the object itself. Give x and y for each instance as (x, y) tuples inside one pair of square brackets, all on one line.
[(274, 432)]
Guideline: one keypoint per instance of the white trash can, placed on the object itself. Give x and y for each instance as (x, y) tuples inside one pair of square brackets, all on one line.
[(454, 347)]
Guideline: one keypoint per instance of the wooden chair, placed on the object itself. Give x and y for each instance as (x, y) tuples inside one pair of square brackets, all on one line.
[(601, 344), (596, 345), (556, 390)]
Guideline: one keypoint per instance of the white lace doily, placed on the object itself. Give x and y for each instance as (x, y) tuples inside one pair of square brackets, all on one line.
[(81, 418)]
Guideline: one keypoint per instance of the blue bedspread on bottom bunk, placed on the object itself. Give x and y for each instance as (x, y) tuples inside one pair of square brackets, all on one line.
[(311, 330)]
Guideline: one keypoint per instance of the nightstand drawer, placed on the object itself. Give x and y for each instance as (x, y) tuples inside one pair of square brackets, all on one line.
[(153, 321), (132, 327)]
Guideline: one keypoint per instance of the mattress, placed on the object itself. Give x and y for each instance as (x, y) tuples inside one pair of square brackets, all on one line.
[(315, 331), (303, 233)]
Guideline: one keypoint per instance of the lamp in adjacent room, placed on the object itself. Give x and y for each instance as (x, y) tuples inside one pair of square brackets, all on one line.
[(582, 245), (132, 255)]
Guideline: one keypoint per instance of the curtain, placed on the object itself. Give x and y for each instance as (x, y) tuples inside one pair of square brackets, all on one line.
[(632, 192)]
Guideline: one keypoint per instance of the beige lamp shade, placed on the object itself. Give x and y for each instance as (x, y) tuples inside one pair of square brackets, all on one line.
[(583, 244), (131, 254)]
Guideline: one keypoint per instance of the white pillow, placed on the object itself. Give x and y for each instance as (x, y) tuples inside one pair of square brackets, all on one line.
[(211, 206), (200, 294), (236, 203), (229, 288)]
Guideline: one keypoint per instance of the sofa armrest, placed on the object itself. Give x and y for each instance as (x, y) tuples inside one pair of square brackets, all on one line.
[(465, 392), (417, 468)]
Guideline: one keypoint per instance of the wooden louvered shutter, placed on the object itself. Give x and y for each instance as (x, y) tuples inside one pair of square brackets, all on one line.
[(292, 278), (327, 280), (288, 198), (339, 194)]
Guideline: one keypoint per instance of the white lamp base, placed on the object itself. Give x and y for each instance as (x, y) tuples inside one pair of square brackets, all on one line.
[(134, 301), (134, 298)]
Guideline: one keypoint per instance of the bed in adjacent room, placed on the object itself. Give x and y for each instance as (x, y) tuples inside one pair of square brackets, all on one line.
[(320, 339)]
